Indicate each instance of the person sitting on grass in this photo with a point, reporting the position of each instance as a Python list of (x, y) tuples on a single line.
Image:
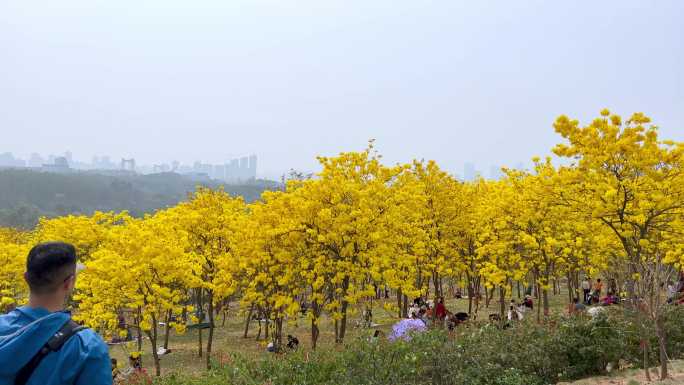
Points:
[(576, 306), (135, 373), (292, 342), (513, 314), (528, 303), (115, 369), (610, 299), (457, 319)]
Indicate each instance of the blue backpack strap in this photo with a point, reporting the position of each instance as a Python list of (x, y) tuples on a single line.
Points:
[(54, 344)]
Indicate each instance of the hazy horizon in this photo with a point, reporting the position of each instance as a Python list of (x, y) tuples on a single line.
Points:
[(456, 82)]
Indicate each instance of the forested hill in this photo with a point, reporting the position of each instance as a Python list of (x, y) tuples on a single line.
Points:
[(27, 195)]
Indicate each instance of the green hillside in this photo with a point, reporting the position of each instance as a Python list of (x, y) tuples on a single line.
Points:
[(27, 195)]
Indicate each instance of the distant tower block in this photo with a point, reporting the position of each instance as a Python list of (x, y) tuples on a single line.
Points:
[(252, 166), (128, 164)]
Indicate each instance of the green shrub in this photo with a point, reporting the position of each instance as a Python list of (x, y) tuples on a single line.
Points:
[(527, 353)]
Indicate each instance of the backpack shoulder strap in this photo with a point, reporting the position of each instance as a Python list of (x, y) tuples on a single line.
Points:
[(52, 345)]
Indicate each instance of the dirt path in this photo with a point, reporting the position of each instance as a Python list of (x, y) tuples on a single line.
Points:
[(636, 377)]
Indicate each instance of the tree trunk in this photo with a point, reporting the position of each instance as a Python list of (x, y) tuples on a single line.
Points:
[(405, 308), (489, 294), (337, 331), (278, 334), (502, 302), (260, 327), (470, 295), (343, 322), (571, 289), (199, 329), (249, 319), (267, 319), (662, 344), (477, 303), (518, 284), (439, 291), (168, 330), (646, 372), (315, 331), (139, 338), (152, 334), (399, 307), (545, 300), (210, 338)]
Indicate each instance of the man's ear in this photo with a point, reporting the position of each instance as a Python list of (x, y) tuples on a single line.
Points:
[(70, 283)]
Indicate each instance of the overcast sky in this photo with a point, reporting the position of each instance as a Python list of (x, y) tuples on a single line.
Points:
[(454, 81)]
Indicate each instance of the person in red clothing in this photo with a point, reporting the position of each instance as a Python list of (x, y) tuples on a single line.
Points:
[(440, 311)]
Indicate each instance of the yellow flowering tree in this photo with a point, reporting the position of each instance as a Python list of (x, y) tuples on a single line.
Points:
[(137, 268), (13, 252), (268, 260), (341, 212), (85, 232), (632, 183), (209, 222)]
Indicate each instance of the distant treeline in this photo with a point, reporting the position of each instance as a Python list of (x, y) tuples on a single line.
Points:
[(27, 195)]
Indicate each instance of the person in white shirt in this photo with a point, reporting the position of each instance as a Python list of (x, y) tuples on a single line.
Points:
[(514, 314), (586, 288)]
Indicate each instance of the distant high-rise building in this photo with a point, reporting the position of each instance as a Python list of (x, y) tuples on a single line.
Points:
[(469, 172), (158, 168), (219, 172), (69, 157), (8, 160), (233, 171), (60, 165), (252, 166), (244, 168), (36, 160), (495, 173), (128, 164)]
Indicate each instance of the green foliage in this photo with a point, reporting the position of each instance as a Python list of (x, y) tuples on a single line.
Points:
[(27, 195), (526, 354)]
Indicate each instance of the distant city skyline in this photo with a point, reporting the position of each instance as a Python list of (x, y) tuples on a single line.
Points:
[(221, 171), (233, 170)]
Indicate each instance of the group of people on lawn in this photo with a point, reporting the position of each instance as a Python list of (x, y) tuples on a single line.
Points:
[(592, 293), (436, 314)]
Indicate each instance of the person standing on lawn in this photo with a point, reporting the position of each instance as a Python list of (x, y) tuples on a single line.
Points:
[(586, 289)]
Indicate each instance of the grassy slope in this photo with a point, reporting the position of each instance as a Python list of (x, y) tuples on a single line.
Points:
[(229, 338)]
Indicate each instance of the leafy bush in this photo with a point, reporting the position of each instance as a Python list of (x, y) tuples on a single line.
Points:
[(525, 354)]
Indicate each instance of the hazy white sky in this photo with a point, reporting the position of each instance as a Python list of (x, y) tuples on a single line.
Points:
[(454, 81)]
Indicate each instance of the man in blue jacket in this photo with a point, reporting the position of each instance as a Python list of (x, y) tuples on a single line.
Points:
[(82, 359)]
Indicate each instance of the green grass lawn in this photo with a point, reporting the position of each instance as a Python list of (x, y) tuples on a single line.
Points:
[(229, 338)]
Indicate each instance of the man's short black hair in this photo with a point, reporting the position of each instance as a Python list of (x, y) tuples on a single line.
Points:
[(48, 265)]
